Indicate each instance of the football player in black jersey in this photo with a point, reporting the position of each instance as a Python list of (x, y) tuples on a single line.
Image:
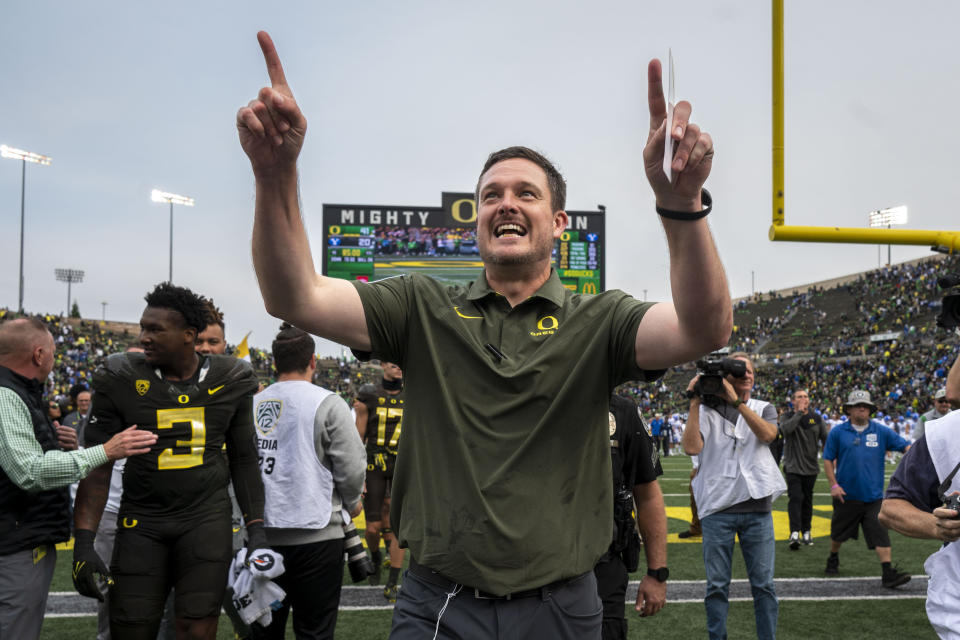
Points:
[(174, 519), (379, 420)]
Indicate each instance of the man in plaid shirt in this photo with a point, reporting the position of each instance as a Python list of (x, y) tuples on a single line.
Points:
[(35, 473)]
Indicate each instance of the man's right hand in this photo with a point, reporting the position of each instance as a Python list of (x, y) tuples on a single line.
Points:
[(86, 565), (357, 509), (947, 524), (129, 442), (272, 127)]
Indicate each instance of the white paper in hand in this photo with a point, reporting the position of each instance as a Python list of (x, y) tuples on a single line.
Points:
[(668, 141)]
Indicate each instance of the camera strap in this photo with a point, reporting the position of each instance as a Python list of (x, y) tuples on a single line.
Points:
[(945, 485)]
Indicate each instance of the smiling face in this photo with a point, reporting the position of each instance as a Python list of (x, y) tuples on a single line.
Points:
[(211, 340), (165, 336), (516, 224)]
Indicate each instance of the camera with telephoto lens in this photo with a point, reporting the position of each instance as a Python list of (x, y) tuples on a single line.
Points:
[(949, 317), (358, 560)]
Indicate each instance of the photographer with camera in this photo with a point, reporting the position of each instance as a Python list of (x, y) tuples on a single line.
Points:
[(312, 463), (636, 466), (736, 485), (923, 501)]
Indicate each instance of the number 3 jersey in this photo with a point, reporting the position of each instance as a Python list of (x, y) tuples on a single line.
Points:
[(186, 468)]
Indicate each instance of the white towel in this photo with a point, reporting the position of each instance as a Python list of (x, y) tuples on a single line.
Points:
[(255, 595)]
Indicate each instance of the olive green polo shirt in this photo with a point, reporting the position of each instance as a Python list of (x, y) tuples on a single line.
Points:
[(502, 480)]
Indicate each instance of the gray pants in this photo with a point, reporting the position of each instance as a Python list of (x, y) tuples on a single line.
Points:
[(103, 545), (570, 612), (24, 585)]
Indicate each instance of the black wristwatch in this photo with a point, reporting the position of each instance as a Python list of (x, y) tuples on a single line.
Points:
[(660, 575)]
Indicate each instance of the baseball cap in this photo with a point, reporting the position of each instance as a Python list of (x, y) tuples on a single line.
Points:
[(859, 396)]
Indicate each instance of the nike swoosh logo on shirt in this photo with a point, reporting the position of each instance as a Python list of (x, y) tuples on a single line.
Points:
[(214, 390)]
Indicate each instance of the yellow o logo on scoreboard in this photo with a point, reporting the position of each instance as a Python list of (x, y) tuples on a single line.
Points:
[(547, 323), (458, 204), (334, 230), (565, 236)]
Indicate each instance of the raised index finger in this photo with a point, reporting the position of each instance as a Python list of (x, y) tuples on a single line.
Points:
[(274, 68), (655, 99)]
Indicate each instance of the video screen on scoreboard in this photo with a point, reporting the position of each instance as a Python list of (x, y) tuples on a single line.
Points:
[(369, 242)]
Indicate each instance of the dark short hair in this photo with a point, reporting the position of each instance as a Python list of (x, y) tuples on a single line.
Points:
[(76, 389), (191, 306), (214, 315), (555, 181), (292, 349)]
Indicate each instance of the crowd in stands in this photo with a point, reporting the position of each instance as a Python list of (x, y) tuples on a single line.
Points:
[(874, 332), (424, 241)]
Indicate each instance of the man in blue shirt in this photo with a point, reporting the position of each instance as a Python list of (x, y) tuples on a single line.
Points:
[(659, 431), (853, 460)]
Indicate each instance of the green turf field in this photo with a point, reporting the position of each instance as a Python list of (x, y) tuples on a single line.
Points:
[(800, 619), (448, 269)]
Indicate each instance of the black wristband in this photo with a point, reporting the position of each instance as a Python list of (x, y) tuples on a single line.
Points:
[(688, 216), (83, 538), (660, 575)]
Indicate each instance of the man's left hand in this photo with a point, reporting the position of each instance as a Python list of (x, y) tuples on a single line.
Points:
[(651, 596), (692, 158), (66, 436), (730, 395)]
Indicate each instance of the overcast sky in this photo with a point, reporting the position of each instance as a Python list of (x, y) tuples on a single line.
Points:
[(405, 100)]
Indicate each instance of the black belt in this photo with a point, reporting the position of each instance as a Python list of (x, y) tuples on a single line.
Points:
[(433, 577)]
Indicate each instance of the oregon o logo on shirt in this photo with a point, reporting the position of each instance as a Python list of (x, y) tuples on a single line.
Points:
[(547, 323), (183, 399), (546, 326)]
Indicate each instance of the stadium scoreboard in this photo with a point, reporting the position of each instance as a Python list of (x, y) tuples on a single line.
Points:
[(371, 242)]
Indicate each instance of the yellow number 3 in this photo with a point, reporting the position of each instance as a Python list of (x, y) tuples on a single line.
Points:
[(166, 419)]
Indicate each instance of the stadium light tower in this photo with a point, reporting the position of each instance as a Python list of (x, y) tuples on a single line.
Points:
[(69, 276), (24, 157), (887, 218), (161, 196)]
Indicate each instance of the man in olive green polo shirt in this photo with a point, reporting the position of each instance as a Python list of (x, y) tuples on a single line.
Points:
[(505, 442)]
